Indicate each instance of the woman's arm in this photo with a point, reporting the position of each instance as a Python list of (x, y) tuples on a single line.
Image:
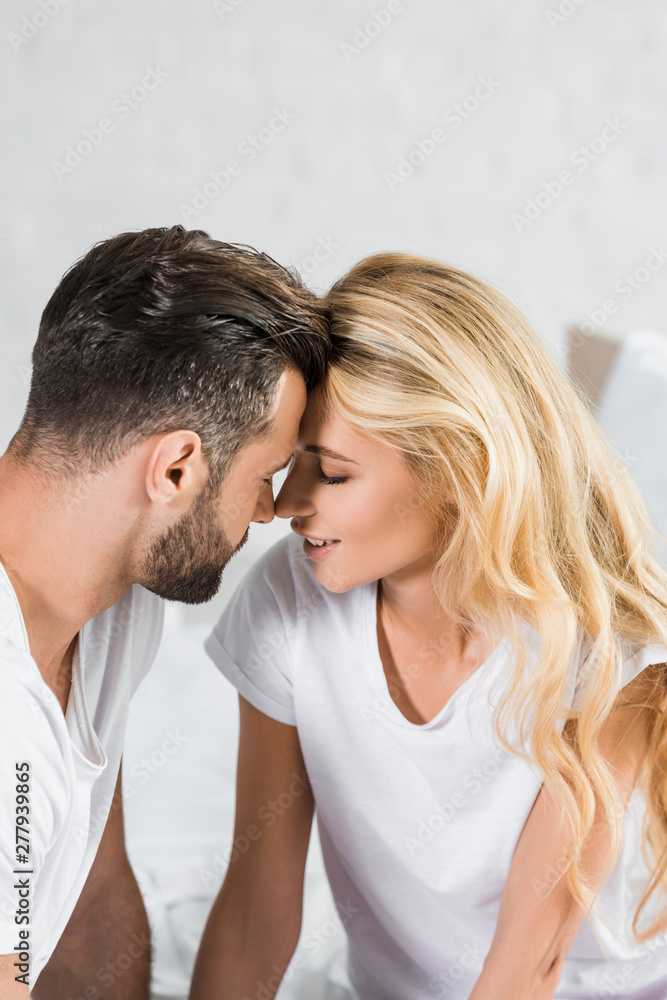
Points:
[(535, 931), (255, 922)]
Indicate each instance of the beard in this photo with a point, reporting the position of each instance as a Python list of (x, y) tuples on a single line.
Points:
[(186, 563)]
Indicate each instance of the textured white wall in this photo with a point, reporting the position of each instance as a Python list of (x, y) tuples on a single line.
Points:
[(220, 69)]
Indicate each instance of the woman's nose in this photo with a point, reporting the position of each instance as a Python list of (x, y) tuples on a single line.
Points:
[(292, 498), (284, 501)]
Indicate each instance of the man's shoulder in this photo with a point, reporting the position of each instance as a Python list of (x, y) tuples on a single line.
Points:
[(28, 706), (36, 762), (19, 671), (12, 629)]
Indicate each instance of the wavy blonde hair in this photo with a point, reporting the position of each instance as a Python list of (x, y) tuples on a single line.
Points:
[(548, 527)]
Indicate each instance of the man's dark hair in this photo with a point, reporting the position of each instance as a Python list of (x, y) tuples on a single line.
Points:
[(160, 330)]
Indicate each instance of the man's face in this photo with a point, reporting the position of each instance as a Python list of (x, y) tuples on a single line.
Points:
[(186, 563)]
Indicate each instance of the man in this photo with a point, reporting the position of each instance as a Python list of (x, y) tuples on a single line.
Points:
[(169, 378)]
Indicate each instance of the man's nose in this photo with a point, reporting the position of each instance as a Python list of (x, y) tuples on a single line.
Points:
[(265, 509), (282, 503)]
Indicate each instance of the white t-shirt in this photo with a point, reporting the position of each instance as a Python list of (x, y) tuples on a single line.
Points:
[(73, 760), (418, 823)]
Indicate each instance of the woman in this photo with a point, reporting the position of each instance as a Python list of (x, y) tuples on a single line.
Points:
[(483, 616)]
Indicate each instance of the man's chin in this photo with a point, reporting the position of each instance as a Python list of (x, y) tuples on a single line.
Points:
[(189, 590), (186, 564), (243, 541)]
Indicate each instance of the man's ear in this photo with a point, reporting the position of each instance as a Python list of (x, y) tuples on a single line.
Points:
[(176, 468)]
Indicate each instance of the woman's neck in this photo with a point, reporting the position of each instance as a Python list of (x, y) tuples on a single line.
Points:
[(412, 608)]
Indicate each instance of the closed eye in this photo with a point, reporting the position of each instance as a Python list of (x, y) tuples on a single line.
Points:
[(331, 480)]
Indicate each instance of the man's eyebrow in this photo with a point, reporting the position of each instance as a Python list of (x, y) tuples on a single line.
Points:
[(318, 449)]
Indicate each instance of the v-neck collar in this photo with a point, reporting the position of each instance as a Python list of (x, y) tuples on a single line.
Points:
[(83, 738), (379, 679)]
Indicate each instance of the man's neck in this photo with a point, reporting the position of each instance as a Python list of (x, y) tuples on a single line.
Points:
[(62, 566)]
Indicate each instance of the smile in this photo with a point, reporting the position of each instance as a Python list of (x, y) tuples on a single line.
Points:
[(319, 550)]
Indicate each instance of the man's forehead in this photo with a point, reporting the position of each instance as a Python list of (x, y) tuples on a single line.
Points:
[(313, 413)]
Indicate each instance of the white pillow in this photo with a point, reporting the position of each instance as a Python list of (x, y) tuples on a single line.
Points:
[(633, 415)]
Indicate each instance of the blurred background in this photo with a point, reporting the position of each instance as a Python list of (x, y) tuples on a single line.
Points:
[(524, 141)]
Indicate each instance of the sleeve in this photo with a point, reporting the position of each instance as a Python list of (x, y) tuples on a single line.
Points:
[(637, 658), (250, 644), (634, 660), (30, 821)]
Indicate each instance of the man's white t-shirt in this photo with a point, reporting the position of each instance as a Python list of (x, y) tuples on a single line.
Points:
[(418, 823), (73, 761)]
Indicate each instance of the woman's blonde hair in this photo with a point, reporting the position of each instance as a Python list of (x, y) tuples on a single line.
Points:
[(547, 526)]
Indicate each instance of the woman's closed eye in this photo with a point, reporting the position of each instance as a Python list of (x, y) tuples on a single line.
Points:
[(328, 480), (331, 480)]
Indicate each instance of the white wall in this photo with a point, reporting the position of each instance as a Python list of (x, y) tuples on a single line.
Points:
[(227, 65)]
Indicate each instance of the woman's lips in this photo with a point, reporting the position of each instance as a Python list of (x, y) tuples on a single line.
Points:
[(318, 552)]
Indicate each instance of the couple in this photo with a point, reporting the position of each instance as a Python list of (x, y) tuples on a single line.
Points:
[(460, 650)]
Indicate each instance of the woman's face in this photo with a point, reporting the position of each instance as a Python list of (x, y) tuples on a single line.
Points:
[(366, 501)]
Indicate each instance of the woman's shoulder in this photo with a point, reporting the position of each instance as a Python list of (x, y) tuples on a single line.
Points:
[(631, 659), (284, 565), (280, 568), (283, 577), (284, 558)]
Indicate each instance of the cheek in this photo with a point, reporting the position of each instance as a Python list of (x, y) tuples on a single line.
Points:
[(399, 519), (369, 512), (238, 506)]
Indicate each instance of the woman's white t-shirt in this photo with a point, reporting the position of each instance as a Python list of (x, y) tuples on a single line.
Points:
[(418, 823), (74, 759)]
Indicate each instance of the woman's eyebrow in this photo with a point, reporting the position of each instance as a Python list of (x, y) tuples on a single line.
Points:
[(318, 449)]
